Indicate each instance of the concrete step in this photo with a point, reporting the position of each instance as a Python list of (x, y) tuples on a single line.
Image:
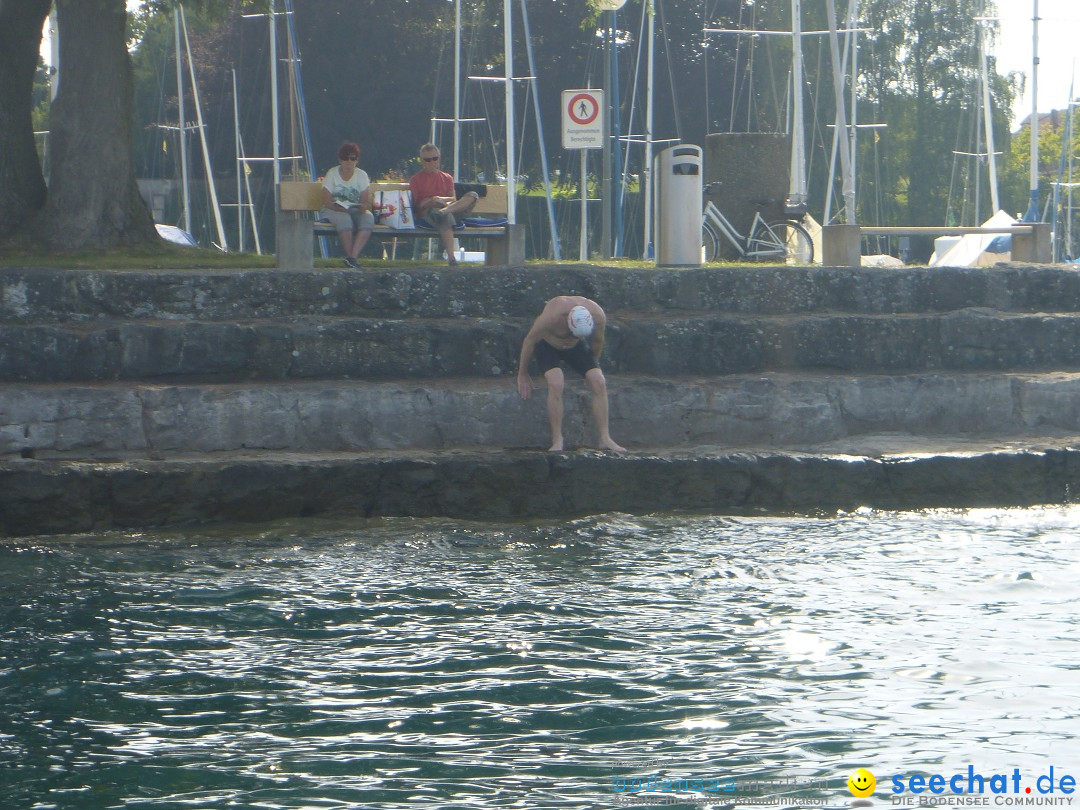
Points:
[(39, 295), (319, 347), (40, 497), (795, 412)]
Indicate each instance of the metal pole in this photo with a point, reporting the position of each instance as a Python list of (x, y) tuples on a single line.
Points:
[(457, 92), (583, 242), (184, 190), (555, 250), (853, 132), (797, 180), (646, 242), (841, 116), (988, 118), (511, 166), (274, 95), (1069, 195), (1032, 214), (239, 167), (222, 241), (616, 139), (605, 158)]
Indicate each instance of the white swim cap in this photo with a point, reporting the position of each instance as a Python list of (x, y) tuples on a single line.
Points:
[(580, 322)]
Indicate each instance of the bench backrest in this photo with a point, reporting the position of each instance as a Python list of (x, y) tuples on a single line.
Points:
[(306, 195)]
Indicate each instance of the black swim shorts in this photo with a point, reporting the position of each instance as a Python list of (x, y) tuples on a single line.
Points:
[(579, 357)]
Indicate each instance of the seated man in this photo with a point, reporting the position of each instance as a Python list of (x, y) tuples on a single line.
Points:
[(433, 198)]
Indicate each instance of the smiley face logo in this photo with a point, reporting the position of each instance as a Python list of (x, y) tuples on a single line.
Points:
[(861, 783)]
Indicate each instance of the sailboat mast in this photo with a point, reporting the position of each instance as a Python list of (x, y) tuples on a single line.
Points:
[(647, 163), (457, 89), (841, 117), (274, 94), (222, 241), (182, 128), (797, 180), (852, 40), (511, 166), (239, 167), (988, 122), (1033, 207), (556, 251)]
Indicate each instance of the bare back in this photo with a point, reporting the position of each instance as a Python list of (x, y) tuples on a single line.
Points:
[(551, 325)]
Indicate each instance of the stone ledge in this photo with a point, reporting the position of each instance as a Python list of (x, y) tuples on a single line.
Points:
[(54, 497), (321, 348), (50, 295), (776, 410)]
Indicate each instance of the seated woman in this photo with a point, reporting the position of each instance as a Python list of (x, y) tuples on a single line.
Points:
[(347, 202)]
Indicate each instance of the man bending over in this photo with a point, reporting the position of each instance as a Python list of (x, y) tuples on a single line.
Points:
[(559, 335)]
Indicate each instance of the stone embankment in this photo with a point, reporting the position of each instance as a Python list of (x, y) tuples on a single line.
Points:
[(132, 399)]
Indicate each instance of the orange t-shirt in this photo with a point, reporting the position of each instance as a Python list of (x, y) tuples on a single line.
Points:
[(429, 184)]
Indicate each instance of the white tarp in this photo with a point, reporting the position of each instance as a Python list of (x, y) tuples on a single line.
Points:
[(975, 249), (171, 233)]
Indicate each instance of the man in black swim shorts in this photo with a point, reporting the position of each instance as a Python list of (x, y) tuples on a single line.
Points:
[(558, 335)]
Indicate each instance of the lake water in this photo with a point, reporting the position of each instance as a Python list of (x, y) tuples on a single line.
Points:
[(445, 664)]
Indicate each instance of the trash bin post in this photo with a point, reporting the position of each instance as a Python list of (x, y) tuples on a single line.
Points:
[(679, 190)]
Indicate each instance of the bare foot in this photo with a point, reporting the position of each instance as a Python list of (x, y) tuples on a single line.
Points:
[(556, 447), (610, 445)]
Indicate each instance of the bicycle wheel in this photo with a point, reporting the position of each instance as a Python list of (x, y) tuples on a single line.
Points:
[(784, 242), (710, 243)]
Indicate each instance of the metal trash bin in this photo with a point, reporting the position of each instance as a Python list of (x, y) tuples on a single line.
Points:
[(679, 178)]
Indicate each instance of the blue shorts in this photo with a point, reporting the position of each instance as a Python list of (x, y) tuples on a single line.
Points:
[(579, 357)]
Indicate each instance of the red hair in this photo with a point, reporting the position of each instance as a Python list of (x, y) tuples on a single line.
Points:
[(348, 148)]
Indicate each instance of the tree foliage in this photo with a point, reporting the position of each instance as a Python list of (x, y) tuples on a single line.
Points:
[(379, 73), (917, 76)]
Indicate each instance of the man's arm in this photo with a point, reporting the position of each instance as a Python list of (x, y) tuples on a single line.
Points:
[(528, 346), (596, 342)]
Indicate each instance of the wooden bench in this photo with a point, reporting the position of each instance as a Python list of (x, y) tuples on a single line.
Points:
[(842, 244), (299, 201)]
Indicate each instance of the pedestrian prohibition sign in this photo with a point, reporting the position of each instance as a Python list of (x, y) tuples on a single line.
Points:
[(583, 119)]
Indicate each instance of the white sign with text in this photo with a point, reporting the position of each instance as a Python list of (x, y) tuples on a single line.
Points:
[(582, 119)]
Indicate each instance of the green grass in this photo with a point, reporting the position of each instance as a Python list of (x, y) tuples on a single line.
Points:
[(164, 256), (168, 256)]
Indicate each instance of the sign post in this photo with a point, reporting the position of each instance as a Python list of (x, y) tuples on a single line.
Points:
[(583, 128)]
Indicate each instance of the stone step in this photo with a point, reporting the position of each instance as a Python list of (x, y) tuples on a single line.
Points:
[(39, 295), (41, 497), (795, 412), (641, 343)]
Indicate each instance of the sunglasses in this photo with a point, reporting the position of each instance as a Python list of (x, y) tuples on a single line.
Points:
[(430, 159)]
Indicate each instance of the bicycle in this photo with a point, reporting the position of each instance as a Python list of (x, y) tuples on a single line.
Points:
[(784, 241)]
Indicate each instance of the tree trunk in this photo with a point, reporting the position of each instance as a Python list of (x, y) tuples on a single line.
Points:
[(93, 199), (22, 188)]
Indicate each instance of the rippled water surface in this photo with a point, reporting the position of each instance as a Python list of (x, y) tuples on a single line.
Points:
[(403, 663)]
